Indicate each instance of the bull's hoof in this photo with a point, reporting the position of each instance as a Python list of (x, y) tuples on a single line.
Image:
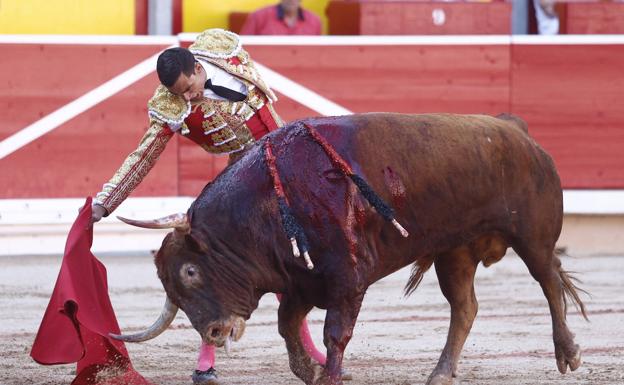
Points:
[(571, 359), (328, 381), (346, 375), (322, 378), (205, 377), (440, 379)]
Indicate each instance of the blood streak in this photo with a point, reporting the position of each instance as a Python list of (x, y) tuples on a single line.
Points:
[(395, 187)]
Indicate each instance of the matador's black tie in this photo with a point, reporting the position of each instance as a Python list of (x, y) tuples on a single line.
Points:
[(225, 92)]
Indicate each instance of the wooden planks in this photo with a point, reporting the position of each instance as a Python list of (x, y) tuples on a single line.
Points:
[(426, 78), (379, 17), (594, 17), (569, 93), (571, 96)]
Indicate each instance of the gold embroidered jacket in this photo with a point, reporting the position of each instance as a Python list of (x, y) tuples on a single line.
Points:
[(218, 126)]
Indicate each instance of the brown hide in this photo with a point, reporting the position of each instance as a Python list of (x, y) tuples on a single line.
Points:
[(465, 186)]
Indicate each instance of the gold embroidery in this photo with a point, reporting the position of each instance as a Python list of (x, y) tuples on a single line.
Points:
[(243, 134), (245, 112), (233, 146), (243, 56), (208, 148), (222, 136), (207, 110), (214, 123), (168, 108), (216, 43), (135, 167), (256, 99), (216, 46)]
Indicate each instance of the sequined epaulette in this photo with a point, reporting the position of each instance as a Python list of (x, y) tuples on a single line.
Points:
[(168, 108), (217, 44), (223, 49)]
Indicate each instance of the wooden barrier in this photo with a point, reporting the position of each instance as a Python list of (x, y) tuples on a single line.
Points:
[(569, 96), (399, 78), (593, 17), (379, 17), (568, 90), (79, 156)]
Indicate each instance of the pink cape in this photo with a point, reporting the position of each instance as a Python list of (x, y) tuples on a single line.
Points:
[(79, 317)]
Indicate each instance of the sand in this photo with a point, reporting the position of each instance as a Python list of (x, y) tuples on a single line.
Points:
[(396, 341)]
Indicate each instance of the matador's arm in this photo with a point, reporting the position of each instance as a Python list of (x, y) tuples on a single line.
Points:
[(134, 168)]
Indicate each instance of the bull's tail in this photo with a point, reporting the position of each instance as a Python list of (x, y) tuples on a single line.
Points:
[(570, 288), (570, 292), (419, 269)]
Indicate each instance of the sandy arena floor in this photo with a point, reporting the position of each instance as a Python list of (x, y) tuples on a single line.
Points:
[(397, 340)]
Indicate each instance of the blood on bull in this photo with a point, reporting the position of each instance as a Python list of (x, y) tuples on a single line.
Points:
[(471, 186)]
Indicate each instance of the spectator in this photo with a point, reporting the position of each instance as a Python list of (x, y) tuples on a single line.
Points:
[(547, 18), (285, 18)]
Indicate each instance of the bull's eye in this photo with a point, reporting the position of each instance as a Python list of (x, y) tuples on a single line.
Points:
[(190, 276)]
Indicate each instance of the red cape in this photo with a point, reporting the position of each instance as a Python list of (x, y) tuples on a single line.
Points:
[(79, 317)]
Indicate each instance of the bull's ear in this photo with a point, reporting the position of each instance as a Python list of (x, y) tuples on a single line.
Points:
[(195, 244)]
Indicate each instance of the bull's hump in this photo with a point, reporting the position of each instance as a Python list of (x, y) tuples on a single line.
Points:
[(519, 122)]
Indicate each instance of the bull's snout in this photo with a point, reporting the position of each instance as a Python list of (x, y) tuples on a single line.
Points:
[(221, 333), (215, 335)]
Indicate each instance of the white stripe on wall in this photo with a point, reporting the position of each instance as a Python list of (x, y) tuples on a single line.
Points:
[(89, 39), (300, 94), (322, 40), (364, 40), (76, 107)]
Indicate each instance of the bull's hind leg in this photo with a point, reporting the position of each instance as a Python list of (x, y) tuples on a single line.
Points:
[(455, 270), (290, 316), (545, 267)]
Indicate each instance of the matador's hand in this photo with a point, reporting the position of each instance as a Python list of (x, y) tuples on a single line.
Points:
[(97, 212)]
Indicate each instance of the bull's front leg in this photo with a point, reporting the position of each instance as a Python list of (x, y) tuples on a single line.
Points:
[(339, 323), (290, 315)]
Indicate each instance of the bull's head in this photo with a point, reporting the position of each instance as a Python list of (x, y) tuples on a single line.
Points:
[(183, 267)]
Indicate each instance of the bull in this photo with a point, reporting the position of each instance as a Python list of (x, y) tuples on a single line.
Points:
[(466, 187)]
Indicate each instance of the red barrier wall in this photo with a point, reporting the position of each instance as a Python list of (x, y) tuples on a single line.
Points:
[(434, 18), (571, 96), (463, 79), (568, 93), (383, 17), (79, 156), (594, 17)]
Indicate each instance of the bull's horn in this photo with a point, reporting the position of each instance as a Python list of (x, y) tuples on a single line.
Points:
[(178, 221), (162, 323)]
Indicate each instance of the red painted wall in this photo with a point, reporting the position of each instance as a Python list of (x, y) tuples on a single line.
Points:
[(594, 17), (569, 94), (434, 18), (460, 79), (75, 159)]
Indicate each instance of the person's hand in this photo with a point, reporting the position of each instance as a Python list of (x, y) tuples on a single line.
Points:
[(97, 212), (549, 7)]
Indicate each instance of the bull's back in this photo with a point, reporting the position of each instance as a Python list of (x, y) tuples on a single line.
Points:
[(450, 176), (455, 152)]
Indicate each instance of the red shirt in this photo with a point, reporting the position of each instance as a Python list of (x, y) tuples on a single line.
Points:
[(270, 21)]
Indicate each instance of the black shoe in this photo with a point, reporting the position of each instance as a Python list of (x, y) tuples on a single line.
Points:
[(205, 377)]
